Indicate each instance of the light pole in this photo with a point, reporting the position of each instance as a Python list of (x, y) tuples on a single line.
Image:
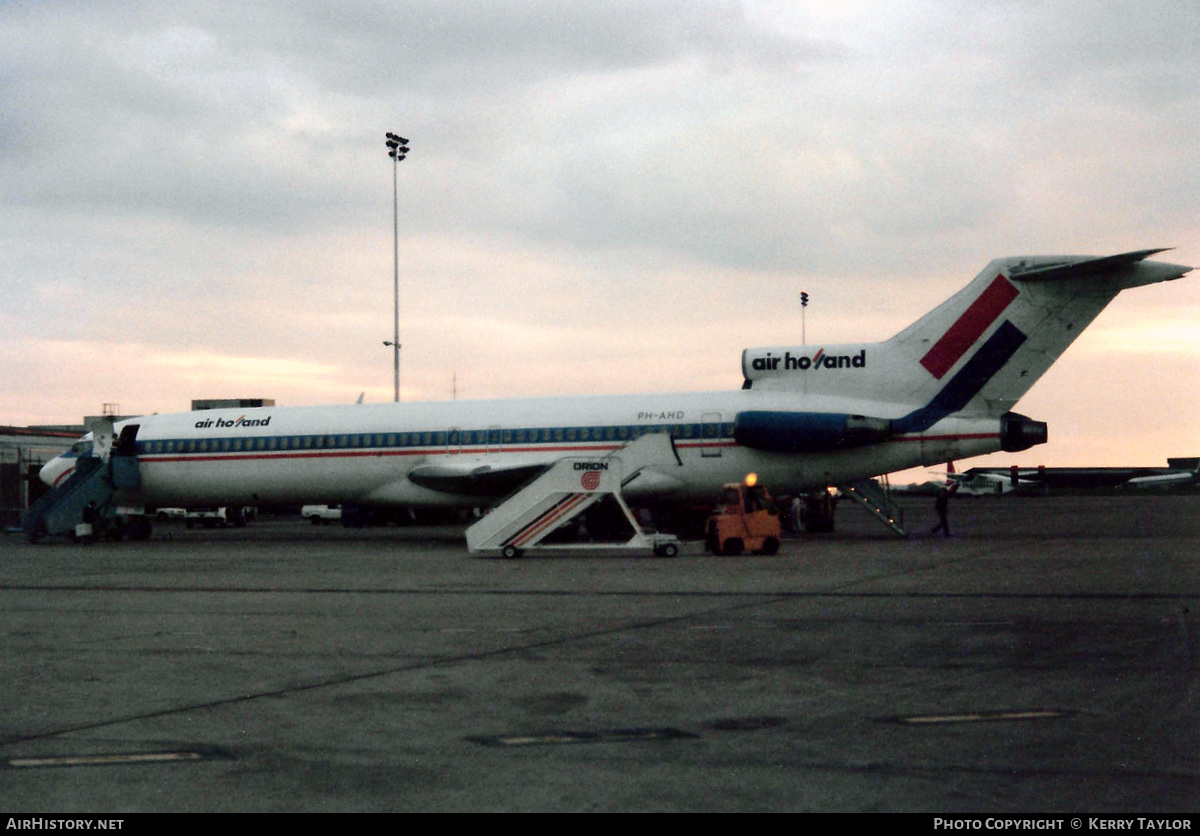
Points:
[(397, 150)]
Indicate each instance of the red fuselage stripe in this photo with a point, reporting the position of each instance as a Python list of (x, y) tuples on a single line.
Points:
[(267, 455), (156, 458)]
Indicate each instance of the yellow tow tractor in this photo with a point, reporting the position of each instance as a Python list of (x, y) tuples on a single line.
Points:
[(747, 520)]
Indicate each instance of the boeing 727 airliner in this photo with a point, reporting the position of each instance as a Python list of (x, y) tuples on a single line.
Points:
[(942, 389)]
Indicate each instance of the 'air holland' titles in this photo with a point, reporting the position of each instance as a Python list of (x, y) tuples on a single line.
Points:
[(225, 423), (820, 360)]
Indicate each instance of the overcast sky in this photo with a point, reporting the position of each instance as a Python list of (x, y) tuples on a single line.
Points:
[(601, 197)]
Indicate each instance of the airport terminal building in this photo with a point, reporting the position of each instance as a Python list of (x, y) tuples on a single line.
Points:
[(23, 451)]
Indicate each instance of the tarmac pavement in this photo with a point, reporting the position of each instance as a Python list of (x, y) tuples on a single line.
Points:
[(1044, 660)]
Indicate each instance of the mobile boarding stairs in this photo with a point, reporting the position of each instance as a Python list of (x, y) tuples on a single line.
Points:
[(94, 479), (877, 501), (571, 486)]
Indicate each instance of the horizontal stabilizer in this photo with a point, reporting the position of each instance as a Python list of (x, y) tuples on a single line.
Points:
[(1086, 267)]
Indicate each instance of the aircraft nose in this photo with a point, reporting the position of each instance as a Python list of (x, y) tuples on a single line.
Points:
[(55, 470)]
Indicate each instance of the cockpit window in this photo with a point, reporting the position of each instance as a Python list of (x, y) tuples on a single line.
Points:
[(82, 448)]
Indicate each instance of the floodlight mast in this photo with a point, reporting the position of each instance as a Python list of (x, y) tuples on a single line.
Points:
[(397, 150)]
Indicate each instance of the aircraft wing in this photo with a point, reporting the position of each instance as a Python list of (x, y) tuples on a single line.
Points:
[(983, 476), (1164, 480), (471, 478), (474, 479)]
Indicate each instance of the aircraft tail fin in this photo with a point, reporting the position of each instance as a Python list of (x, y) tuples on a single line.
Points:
[(988, 344), (953, 479), (979, 351)]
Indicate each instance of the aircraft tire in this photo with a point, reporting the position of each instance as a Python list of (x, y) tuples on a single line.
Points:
[(140, 529)]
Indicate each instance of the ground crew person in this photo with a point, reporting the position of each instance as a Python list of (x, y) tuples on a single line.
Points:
[(85, 531), (942, 504)]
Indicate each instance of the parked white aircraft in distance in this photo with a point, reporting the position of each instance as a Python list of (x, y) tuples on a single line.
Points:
[(806, 417), (972, 482), (1170, 481), (978, 482)]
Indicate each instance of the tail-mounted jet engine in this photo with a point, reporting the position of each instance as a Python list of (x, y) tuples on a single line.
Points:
[(808, 432), (1019, 433), (819, 432)]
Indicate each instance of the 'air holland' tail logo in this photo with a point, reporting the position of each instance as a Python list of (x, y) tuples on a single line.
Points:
[(820, 360)]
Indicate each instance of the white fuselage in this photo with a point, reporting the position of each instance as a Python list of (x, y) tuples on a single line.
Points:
[(364, 453)]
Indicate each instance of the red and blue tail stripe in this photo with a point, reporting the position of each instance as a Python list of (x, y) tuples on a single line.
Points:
[(987, 361), (969, 327)]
